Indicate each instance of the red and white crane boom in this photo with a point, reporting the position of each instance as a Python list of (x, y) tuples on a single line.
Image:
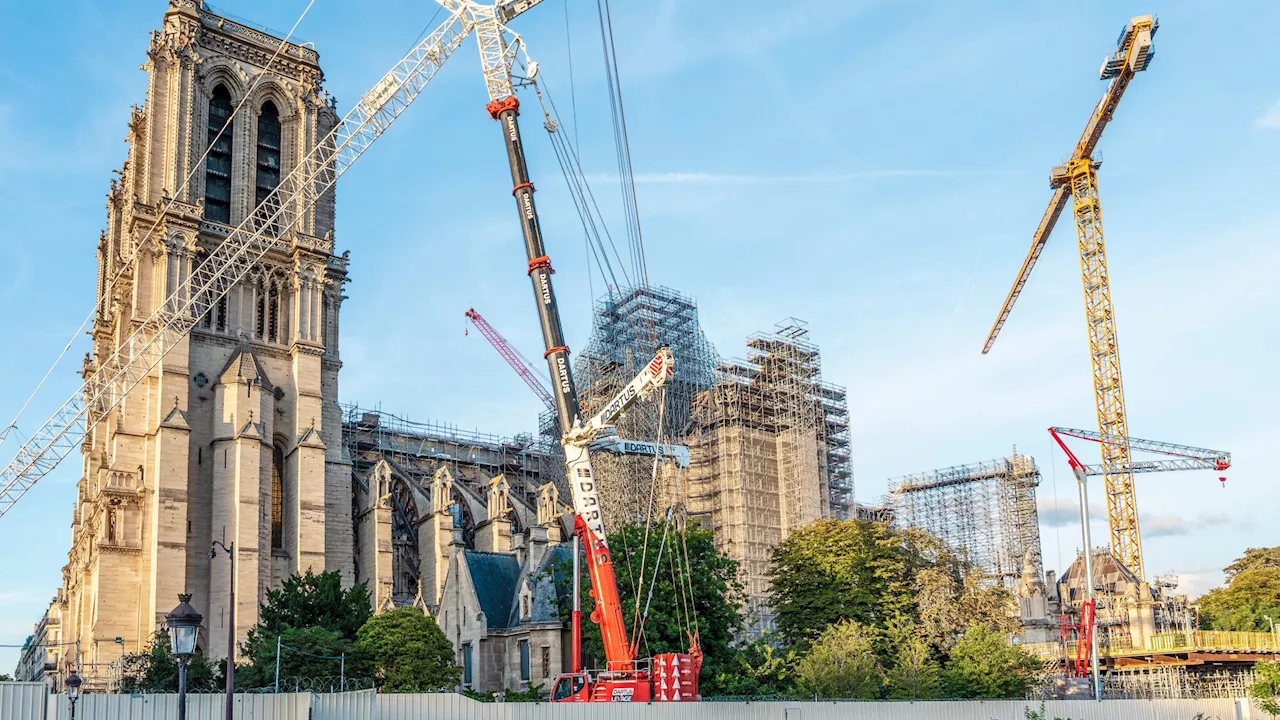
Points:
[(514, 358)]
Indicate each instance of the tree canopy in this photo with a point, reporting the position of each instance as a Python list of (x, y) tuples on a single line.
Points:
[(842, 663), (155, 671), (1252, 593), (409, 652), (983, 664), (838, 585), (316, 621), (714, 607)]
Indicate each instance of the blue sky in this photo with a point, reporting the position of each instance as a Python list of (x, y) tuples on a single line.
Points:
[(874, 168)]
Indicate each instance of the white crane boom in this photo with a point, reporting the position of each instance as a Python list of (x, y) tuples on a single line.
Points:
[(1182, 457), (107, 384)]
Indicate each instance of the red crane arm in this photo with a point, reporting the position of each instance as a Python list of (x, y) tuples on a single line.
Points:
[(513, 358)]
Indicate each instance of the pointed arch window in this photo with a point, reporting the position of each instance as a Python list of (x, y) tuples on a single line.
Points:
[(273, 312), (267, 176), (217, 172), (260, 311), (277, 497)]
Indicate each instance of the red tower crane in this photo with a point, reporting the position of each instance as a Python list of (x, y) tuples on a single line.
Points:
[(514, 358)]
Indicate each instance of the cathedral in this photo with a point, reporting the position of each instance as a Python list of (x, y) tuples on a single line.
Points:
[(236, 445)]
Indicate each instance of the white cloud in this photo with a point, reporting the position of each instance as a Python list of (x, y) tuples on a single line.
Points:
[(1270, 120), (1158, 525), (1063, 512), (714, 178)]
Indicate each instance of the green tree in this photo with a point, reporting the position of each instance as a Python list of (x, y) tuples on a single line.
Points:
[(409, 652), (758, 670), (841, 663), (310, 658), (913, 674), (312, 615), (5, 677), (1251, 595), (156, 671), (712, 605), (1266, 688), (830, 571), (983, 664)]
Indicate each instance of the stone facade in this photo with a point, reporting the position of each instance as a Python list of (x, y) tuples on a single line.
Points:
[(236, 436)]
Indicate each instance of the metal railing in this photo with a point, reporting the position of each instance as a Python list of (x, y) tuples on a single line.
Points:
[(1199, 641)]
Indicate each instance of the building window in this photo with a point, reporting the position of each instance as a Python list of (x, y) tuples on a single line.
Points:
[(273, 313), (277, 498), (217, 173), (524, 661), (260, 312), (267, 176), (546, 662), (220, 315), (466, 664)]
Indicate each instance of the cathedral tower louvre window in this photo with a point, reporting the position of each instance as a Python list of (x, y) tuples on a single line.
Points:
[(273, 313), (217, 175), (277, 497), (267, 176)]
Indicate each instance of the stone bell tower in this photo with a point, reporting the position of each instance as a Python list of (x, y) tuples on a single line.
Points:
[(236, 436)]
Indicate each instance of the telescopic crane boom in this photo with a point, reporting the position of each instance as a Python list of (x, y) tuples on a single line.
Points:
[(1078, 179), (624, 679)]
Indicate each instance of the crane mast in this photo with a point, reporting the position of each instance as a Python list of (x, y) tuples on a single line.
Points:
[(498, 48), (1078, 179)]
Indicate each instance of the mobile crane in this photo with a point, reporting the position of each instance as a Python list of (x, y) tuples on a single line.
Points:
[(667, 677)]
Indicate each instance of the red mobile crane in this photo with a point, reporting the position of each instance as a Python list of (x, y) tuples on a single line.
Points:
[(625, 678)]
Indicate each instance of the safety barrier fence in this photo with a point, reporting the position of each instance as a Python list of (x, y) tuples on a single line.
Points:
[(29, 701)]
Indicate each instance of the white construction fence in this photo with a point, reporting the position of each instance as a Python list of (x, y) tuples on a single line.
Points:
[(29, 701)]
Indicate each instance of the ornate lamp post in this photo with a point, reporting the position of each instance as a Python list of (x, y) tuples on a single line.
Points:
[(73, 691), (184, 625)]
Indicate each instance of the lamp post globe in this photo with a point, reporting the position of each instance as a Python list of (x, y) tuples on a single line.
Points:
[(184, 625), (73, 691)]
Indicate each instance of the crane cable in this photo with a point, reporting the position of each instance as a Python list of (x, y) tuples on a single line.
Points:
[(637, 625), (109, 286)]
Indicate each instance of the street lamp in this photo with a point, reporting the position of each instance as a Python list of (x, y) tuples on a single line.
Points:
[(73, 691), (184, 624), (231, 622)]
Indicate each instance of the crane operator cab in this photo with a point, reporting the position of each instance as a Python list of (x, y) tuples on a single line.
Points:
[(570, 688)]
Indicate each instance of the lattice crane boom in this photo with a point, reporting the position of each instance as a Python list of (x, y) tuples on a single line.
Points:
[(1182, 457), (110, 381), (1078, 179), (513, 357), (1120, 74)]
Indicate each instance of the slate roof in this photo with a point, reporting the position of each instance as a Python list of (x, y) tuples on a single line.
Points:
[(495, 577), (244, 366)]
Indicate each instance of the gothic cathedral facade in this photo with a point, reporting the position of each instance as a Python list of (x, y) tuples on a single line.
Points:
[(235, 438)]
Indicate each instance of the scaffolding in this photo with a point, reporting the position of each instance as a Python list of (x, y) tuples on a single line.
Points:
[(770, 446), (986, 512), (628, 327)]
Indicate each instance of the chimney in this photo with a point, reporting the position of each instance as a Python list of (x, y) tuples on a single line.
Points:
[(537, 545)]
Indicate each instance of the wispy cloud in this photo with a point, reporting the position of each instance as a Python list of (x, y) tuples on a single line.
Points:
[(1154, 526), (1270, 120), (1062, 512), (714, 178)]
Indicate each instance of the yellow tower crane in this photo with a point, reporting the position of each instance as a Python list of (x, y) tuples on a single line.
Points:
[(1078, 179)]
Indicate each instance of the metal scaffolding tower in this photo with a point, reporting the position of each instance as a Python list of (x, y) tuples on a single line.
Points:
[(628, 326), (986, 512), (770, 454)]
